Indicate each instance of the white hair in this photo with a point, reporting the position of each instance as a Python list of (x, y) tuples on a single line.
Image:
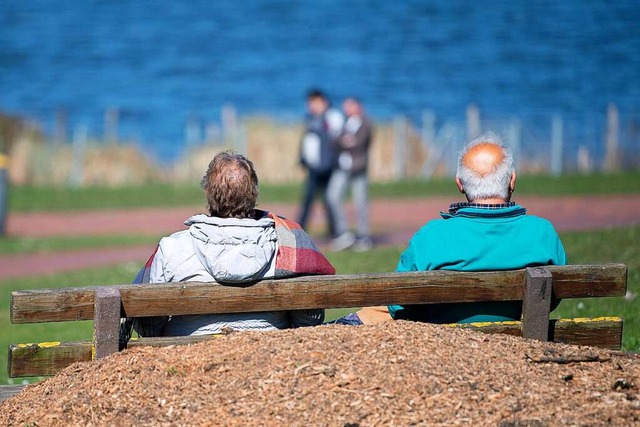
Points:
[(491, 185)]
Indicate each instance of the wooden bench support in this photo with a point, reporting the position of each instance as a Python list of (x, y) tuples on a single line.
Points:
[(536, 303), (106, 324)]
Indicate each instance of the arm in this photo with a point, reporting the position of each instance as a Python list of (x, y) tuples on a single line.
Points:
[(362, 138)]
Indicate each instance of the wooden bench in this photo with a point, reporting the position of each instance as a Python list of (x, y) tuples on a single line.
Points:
[(107, 305)]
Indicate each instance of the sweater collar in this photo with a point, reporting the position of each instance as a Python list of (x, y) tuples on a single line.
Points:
[(480, 210)]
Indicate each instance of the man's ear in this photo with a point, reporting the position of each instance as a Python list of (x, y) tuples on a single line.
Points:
[(512, 182), (459, 184)]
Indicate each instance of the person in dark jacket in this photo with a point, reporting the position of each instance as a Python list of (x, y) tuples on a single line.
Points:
[(323, 126)]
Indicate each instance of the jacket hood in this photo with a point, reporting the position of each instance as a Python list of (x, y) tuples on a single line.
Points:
[(234, 250)]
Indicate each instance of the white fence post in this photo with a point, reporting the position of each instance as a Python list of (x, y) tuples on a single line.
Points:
[(515, 141), (111, 119), (557, 142), (400, 146), (79, 143), (612, 157), (192, 131), (428, 140), (229, 124), (60, 127), (473, 122), (4, 191)]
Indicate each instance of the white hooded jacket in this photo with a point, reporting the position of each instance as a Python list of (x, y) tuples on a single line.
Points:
[(225, 250)]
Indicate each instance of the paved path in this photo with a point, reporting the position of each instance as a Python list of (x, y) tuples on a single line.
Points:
[(393, 223)]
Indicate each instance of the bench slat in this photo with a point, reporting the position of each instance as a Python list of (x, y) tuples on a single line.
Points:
[(47, 359), (51, 305), (40, 359), (589, 281), (605, 332)]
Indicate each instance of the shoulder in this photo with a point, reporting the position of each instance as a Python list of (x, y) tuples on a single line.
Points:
[(178, 242), (430, 229), (539, 223)]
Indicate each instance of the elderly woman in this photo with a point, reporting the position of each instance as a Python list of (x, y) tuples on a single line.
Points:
[(234, 243)]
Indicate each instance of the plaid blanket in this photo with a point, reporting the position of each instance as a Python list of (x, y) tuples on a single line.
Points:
[(297, 255)]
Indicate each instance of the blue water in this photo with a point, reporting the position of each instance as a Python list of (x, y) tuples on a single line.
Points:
[(161, 62)]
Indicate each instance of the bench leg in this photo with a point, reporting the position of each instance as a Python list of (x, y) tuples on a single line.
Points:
[(106, 322), (536, 303)]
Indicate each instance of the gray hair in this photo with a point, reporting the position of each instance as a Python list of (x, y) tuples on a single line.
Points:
[(488, 186)]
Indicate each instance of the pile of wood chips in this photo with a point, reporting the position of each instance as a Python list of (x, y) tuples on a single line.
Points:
[(398, 373)]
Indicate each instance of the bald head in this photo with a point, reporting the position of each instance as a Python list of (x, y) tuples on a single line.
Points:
[(483, 158), (485, 170)]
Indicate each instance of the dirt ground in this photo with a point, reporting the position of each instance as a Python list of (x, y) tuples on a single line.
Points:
[(393, 374), (393, 223)]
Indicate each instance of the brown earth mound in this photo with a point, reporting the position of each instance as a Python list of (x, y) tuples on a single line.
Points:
[(398, 373)]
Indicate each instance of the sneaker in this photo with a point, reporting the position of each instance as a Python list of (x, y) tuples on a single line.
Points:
[(363, 244), (343, 241)]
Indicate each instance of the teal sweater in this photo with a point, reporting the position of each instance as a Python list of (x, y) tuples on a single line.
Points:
[(477, 239)]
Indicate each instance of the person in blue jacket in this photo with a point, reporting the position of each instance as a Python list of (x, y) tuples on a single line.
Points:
[(487, 232), (323, 126)]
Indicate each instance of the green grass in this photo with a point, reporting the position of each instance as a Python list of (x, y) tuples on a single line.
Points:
[(597, 247), (25, 199), (19, 245), (594, 247)]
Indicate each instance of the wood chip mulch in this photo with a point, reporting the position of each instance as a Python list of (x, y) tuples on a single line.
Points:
[(392, 374)]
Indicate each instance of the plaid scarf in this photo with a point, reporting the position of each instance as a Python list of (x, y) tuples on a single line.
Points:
[(297, 255)]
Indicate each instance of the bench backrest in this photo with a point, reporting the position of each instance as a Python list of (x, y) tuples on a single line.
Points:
[(106, 305)]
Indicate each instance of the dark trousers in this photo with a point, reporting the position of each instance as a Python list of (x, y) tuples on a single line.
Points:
[(317, 182)]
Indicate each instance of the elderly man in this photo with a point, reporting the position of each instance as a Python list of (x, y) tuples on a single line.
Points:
[(234, 243), (487, 232)]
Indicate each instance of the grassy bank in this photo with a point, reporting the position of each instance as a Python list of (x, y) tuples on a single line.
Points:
[(615, 245), (18, 245), (25, 199)]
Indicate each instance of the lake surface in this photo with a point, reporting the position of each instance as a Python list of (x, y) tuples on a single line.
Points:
[(160, 63)]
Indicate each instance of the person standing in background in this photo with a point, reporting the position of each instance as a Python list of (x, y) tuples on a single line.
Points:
[(353, 159), (323, 126)]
